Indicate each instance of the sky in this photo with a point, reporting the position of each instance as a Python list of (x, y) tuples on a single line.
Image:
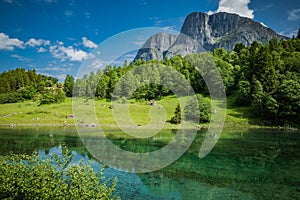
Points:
[(56, 36)]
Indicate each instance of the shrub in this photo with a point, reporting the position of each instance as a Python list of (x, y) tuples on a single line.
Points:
[(31, 177)]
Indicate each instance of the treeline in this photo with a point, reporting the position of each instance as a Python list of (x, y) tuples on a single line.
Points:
[(19, 85), (263, 77), (269, 80)]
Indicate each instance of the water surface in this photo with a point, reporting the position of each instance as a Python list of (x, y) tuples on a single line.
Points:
[(244, 164)]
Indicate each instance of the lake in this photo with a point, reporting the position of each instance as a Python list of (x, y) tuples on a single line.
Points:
[(244, 164)]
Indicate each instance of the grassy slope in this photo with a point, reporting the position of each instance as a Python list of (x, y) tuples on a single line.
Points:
[(29, 114)]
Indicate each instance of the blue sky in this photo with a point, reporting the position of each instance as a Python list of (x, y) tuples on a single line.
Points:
[(55, 36)]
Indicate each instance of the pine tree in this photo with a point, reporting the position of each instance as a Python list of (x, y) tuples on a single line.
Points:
[(69, 85)]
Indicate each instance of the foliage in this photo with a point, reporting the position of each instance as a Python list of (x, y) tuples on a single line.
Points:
[(51, 95), (190, 113), (11, 97), (202, 114), (176, 119), (13, 80), (244, 93), (31, 177), (69, 85), (264, 77), (18, 85)]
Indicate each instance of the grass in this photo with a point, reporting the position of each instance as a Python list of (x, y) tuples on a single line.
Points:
[(28, 113)]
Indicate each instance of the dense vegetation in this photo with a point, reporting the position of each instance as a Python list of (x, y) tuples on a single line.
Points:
[(265, 78), (19, 85), (31, 177)]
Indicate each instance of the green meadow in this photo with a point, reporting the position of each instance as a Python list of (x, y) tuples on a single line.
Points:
[(29, 113)]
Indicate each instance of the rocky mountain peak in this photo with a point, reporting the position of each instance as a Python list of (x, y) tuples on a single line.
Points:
[(156, 46), (203, 32)]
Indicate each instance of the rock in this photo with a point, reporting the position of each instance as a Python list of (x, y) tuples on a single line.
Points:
[(70, 116), (92, 125), (156, 46), (225, 30), (202, 32)]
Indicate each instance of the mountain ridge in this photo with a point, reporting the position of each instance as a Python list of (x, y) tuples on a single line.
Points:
[(202, 32)]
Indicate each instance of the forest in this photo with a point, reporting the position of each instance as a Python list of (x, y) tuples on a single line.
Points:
[(265, 78), (19, 85)]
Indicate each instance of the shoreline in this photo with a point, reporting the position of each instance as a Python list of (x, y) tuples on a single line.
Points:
[(168, 127)]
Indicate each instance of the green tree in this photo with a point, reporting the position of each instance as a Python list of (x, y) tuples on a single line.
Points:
[(69, 85), (265, 71), (59, 96), (27, 92), (176, 119), (244, 93), (289, 99), (258, 97), (31, 177), (102, 87), (47, 98), (202, 114)]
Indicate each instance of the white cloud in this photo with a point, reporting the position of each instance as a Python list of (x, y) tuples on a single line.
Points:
[(54, 69), (88, 43), (239, 7), (20, 58), (64, 53), (294, 14), (41, 50), (34, 42), (9, 44)]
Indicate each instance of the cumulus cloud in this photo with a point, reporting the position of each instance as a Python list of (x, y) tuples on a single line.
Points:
[(41, 50), (34, 42), (294, 14), (9, 44), (67, 53), (88, 43), (239, 7)]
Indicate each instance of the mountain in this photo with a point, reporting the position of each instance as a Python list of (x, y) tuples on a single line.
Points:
[(203, 32), (156, 46)]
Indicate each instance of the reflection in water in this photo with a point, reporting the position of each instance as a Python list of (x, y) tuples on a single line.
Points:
[(251, 164)]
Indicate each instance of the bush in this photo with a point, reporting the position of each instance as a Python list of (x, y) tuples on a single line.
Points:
[(203, 114), (31, 177), (190, 114), (27, 92), (11, 97), (52, 96)]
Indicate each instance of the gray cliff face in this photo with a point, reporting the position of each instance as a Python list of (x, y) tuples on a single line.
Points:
[(225, 30), (156, 46), (202, 32)]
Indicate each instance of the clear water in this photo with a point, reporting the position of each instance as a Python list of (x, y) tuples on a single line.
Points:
[(245, 164)]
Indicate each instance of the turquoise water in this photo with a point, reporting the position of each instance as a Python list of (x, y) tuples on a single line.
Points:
[(244, 164)]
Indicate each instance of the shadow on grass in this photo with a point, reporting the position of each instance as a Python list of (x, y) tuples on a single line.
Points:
[(241, 113)]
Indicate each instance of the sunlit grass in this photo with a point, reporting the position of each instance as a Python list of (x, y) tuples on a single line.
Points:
[(28, 113)]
